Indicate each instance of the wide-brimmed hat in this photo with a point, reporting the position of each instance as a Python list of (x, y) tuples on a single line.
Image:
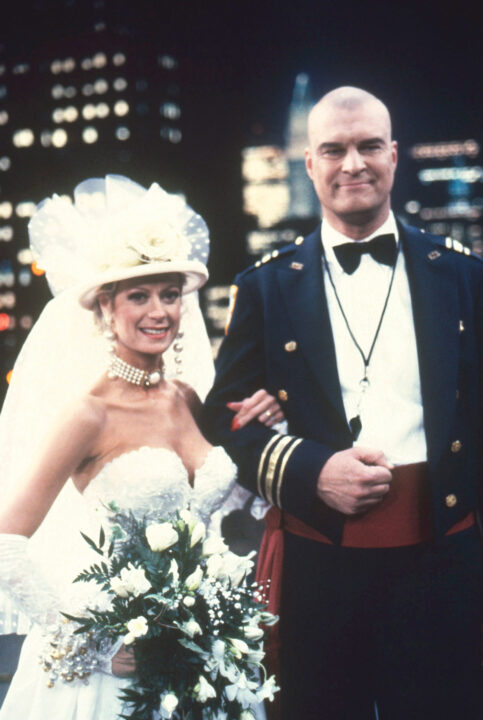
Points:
[(116, 230)]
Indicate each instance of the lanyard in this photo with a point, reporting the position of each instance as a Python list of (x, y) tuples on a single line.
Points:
[(355, 423)]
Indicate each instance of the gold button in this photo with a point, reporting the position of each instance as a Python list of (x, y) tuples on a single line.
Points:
[(461, 326), (451, 500), (290, 346), (297, 266), (299, 240), (456, 446), (283, 395)]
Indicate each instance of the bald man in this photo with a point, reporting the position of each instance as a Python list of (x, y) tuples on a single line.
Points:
[(370, 334)]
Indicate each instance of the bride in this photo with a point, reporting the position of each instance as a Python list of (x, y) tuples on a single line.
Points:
[(122, 427)]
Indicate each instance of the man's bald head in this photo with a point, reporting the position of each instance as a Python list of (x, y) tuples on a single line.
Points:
[(347, 98), (351, 159)]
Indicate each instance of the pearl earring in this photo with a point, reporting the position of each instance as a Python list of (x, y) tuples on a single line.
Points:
[(178, 348)]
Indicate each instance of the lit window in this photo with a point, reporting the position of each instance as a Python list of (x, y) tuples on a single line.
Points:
[(6, 233), (5, 163), (89, 111), (5, 210), (172, 134), (8, 300), (170, 110), (167, 62), (119, 84), (100, 26), (101, 86), (25, 256), (23, 138), (90, 135), (24, 278), (25, 209), (3, 117), (142, 108), (121, 108), (71, 113), (4, 321), (59, 138), (118, 59), (2, 69), (69, 64), (56, 67), (3, 91), (58, 115), (57, 92), (99, 60), (26, 322), (86, 64), (102, 110), (21, 68), (88, 89), (46, 138), (70, 91), (123, 133)]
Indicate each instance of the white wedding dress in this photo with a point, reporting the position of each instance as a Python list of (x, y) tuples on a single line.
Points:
[(147, 481)]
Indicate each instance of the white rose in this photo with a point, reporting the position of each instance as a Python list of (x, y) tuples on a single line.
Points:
[(199, 532), (214, 545), (168, 705), (203, 690), (188, 601), (239, 647), (252, 632), (137, 627), (192, 582), (161, 536), (131, 581), (236, 567), (214, 566), (187, 517), (119, 588), (191, 628)]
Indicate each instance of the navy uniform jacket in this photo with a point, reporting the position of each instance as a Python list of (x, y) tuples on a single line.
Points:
[(280, 338)]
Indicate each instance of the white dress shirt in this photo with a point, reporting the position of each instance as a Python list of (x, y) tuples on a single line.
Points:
[(390, 408)]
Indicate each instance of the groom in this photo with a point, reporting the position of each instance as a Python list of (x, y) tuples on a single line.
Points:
[(370, 335)]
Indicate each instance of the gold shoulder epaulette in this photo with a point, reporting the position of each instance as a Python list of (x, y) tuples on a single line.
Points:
[(457, 246)]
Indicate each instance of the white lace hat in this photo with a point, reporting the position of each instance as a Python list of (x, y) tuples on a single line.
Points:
[(116, 230)]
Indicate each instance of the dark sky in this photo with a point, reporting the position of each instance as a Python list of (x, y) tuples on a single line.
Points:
[(239, 60)]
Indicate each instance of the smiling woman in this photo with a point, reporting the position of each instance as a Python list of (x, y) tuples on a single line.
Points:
[(126, 261)]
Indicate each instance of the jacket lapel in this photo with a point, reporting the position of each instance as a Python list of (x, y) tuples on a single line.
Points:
[(303, 292), (434, 295)]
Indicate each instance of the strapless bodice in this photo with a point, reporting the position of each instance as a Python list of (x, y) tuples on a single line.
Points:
[(153, 482)]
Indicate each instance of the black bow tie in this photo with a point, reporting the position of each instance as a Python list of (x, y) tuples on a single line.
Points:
[(382, 248)]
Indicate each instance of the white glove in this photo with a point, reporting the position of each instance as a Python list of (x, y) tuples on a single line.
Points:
[(24, 585)]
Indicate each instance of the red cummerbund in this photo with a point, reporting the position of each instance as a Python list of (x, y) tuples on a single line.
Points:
[(403, 517)]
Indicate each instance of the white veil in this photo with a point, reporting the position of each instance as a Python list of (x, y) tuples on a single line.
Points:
[(63, 356)]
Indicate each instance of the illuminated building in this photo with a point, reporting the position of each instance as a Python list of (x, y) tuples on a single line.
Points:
[(278, 195), (97, 98), (449, 195)]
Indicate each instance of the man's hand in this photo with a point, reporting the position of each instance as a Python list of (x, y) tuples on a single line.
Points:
[(123, 663), (354, 480)]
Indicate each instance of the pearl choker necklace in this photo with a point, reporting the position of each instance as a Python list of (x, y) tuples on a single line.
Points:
[(129, 373)]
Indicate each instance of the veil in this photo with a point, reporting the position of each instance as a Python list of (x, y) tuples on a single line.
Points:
[(63, 356)]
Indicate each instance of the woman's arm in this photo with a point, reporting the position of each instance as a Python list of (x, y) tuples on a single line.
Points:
[(70, 442)]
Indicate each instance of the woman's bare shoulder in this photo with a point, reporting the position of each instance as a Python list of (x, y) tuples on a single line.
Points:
[(87, 414), (189, 395)]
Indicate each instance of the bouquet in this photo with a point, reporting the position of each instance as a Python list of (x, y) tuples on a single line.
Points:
[(182, 601)]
